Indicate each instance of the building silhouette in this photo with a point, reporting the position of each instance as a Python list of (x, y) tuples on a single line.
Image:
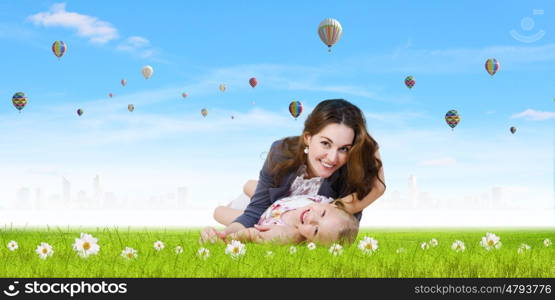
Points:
[(66, 191)]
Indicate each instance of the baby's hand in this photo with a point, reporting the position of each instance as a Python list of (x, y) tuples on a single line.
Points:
[(263, 228)]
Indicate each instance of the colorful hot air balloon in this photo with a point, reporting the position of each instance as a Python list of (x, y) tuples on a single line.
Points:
[(330, 32), (253, 82), (492, 66), (513, 130), (147, 71), (79, 112), (296, 108), (232, 117), (452, 118), (130, 107), (19, 100), (123, 82), (110, 95), (59, 48), (409, 82), (184, 95), (222, 87), (204, 112)]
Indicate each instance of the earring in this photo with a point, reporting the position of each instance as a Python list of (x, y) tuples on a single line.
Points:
[(306, 150)]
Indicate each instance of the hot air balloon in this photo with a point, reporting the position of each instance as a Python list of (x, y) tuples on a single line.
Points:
[(123, 82), (19, 100), (130, 107), (409, 82), (330, 32), (222, 87), (79, 112), (452, 118), (513, 130), (184, 95), (110, 95), (59, 48), (253, 82), (232, 117), (296, 108), (204, 112), (492, 66), (147, 71)]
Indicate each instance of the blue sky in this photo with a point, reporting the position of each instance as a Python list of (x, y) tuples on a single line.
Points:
[(193, 47)]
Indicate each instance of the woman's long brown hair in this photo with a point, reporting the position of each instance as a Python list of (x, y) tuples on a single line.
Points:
[(360, 172)]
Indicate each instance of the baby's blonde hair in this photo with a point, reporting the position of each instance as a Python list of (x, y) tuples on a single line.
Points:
[(348, 234)]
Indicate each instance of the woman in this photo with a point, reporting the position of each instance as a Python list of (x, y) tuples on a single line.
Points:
[(333, 157)]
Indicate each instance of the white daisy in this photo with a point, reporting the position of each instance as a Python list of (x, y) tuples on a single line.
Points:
[(547, 242), (434, 242), (86, 245), (178, 250), (159, 245), (129, 253), (490, 241), (44, 250), (400, 250), (203, 253), (311, 246), (269, 254), (12, 245), (336, 249), (292, 250), (425, 246), (523, 248), (235, 249), (368, 245), (458, 246)]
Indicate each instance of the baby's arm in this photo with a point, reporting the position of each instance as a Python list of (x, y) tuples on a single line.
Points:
[(278, 234)]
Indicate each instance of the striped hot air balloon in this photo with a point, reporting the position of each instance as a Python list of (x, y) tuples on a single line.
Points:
[(330, 32), (452, 118), (513, 129), (184, 95), (123, 82), (79, 112), (130, 107), (59, 48), (296, 108), (492, 66), (19, 100), (410, 82), (204, 112)]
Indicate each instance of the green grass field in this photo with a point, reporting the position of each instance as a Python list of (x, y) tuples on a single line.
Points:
[(440, 261)]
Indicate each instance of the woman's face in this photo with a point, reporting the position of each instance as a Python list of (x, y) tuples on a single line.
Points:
[(328, 150)]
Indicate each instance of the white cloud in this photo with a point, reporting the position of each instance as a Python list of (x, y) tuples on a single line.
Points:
[(409, 60), (137, 45), (98, 31), (441, 162), (534, 115)]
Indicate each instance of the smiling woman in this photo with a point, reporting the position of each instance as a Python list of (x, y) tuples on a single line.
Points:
[(334, 157)]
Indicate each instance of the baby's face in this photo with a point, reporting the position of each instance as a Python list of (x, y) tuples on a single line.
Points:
[(321, 222)]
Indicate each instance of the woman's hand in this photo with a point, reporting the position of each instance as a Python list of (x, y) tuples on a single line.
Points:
[(211, 235)]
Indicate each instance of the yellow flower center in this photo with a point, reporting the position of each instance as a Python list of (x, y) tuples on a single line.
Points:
[(44, 250), (369, 246), (490, 243), (130, 255), (236, 250), (86, 246)]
